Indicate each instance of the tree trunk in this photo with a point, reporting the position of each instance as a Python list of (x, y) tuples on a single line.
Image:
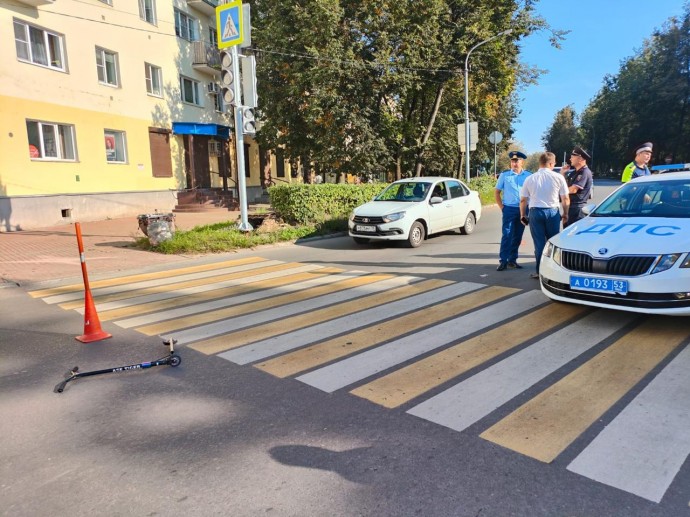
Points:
[(430, 126)]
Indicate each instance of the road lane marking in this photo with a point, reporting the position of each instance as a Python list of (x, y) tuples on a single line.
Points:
[(547, 424), (403, 385), (215, 295), (644, 448), (42, 293), (131, 294), (280, 306), (382, 331), (275, 341), (471, 400), (366, 364)]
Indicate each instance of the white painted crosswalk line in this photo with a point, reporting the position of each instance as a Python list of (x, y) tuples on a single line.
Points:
[(471, 400), (210, 286), (224, 326), (172, 279), (302, 337), (645, 446), (260, 294), (348, 371)]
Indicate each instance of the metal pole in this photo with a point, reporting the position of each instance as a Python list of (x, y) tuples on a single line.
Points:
[(239, 144), (494, 157), (467, 107)]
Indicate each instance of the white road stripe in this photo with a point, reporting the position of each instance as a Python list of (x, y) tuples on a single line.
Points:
[(146, 319), (471, 400), (172, 279), (366, 364), (645, 446), (232, 324), (319, 331)]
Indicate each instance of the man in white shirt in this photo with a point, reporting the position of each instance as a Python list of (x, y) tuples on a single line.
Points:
[(543, 190)]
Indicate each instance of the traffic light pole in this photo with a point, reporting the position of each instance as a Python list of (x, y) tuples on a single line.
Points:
[(239, 144)]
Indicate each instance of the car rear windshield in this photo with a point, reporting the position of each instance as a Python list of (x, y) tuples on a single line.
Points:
[(648, 199), (406, 191)]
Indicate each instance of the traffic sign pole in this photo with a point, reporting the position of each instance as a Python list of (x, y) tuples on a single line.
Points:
[(239, 146)]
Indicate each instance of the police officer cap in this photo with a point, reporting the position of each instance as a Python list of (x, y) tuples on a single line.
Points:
[(647, 146), (515, 155), (579, 151)]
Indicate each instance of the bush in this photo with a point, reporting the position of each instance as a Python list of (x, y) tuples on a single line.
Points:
[(300, 204)]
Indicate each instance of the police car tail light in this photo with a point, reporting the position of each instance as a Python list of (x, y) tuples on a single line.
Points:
[(665, 262)]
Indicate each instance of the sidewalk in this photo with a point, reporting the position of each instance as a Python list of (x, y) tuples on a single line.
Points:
[(53, 253)]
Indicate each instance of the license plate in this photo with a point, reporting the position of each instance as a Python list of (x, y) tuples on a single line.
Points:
[(365, 228), (601, 285)]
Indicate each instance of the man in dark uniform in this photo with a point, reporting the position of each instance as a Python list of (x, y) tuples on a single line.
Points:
[(579, 180)]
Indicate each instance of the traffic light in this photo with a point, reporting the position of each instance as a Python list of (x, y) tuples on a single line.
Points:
[(248, 121), (227, 78)]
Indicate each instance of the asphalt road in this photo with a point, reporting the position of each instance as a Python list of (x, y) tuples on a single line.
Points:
[(327, 378)]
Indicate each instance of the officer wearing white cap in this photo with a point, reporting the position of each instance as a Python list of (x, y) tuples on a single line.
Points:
[(507, 195), (579, 180), (638, 167)]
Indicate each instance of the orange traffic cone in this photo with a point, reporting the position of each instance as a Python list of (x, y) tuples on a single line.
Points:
[(92, 325)]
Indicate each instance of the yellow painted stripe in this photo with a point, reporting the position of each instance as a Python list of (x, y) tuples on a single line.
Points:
[(42, 293), (230, 312), (407, 383), (241, 337), (550, 422), (341, 346), (133, 293), (221, 292)]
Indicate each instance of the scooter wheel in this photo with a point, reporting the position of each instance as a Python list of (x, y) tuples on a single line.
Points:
[(175, 360)]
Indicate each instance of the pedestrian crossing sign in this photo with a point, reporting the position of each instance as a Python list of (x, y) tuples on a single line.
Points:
[(229, 24)]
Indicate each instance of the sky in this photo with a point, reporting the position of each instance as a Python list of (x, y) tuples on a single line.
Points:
[(603, 33)]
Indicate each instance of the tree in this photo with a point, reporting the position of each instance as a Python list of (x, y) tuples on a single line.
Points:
[(562, 136)]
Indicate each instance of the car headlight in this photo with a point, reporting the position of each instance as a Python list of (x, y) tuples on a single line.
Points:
[(666, 262), (686, 262), (352, 217), (550, 250), (393, 217)]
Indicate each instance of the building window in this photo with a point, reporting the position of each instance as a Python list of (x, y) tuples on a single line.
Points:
[(153, 80), (115, 149), (185, 26), (215, 93), (106, 64), (247, 165), (213, 36), (39, 46), (280, 163), (49, 141), (189, 89), (147, 11)]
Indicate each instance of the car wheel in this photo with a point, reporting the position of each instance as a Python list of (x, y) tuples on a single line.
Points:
[(361, 240), (414, 240), (469, 224)]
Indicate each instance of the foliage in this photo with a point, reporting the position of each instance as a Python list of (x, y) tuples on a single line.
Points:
[(304, 204), (353, 86), (647, 100), (485, 185), (562, 136)]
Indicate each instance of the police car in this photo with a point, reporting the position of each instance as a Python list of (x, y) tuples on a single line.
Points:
[(410, 209), (631, 253)]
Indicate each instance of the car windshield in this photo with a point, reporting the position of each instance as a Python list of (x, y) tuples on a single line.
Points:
[(405, 191), (648, 199)]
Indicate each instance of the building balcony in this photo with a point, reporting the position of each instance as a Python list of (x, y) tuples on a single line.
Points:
[(36, 3), (208, 7), (206, 58)]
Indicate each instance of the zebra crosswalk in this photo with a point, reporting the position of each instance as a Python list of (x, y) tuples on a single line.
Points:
[(453, 353)]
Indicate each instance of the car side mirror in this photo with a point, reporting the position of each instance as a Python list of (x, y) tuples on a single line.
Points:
[(588, 209), (435, 200)]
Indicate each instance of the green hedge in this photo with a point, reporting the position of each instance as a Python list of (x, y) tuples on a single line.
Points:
[(304, 204), (300, 204)]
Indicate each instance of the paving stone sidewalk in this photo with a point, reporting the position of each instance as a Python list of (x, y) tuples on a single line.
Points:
[(47, 254)]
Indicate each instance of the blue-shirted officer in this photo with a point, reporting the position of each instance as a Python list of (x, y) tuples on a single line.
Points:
[(507, 195)]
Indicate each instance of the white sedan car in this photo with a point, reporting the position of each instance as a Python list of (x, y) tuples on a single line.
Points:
[(631, 253), (410, 209)]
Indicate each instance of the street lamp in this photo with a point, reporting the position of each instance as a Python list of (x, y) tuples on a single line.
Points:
[(467, 106)]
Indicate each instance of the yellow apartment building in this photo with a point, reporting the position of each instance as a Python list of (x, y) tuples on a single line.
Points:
[(110, 108)]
